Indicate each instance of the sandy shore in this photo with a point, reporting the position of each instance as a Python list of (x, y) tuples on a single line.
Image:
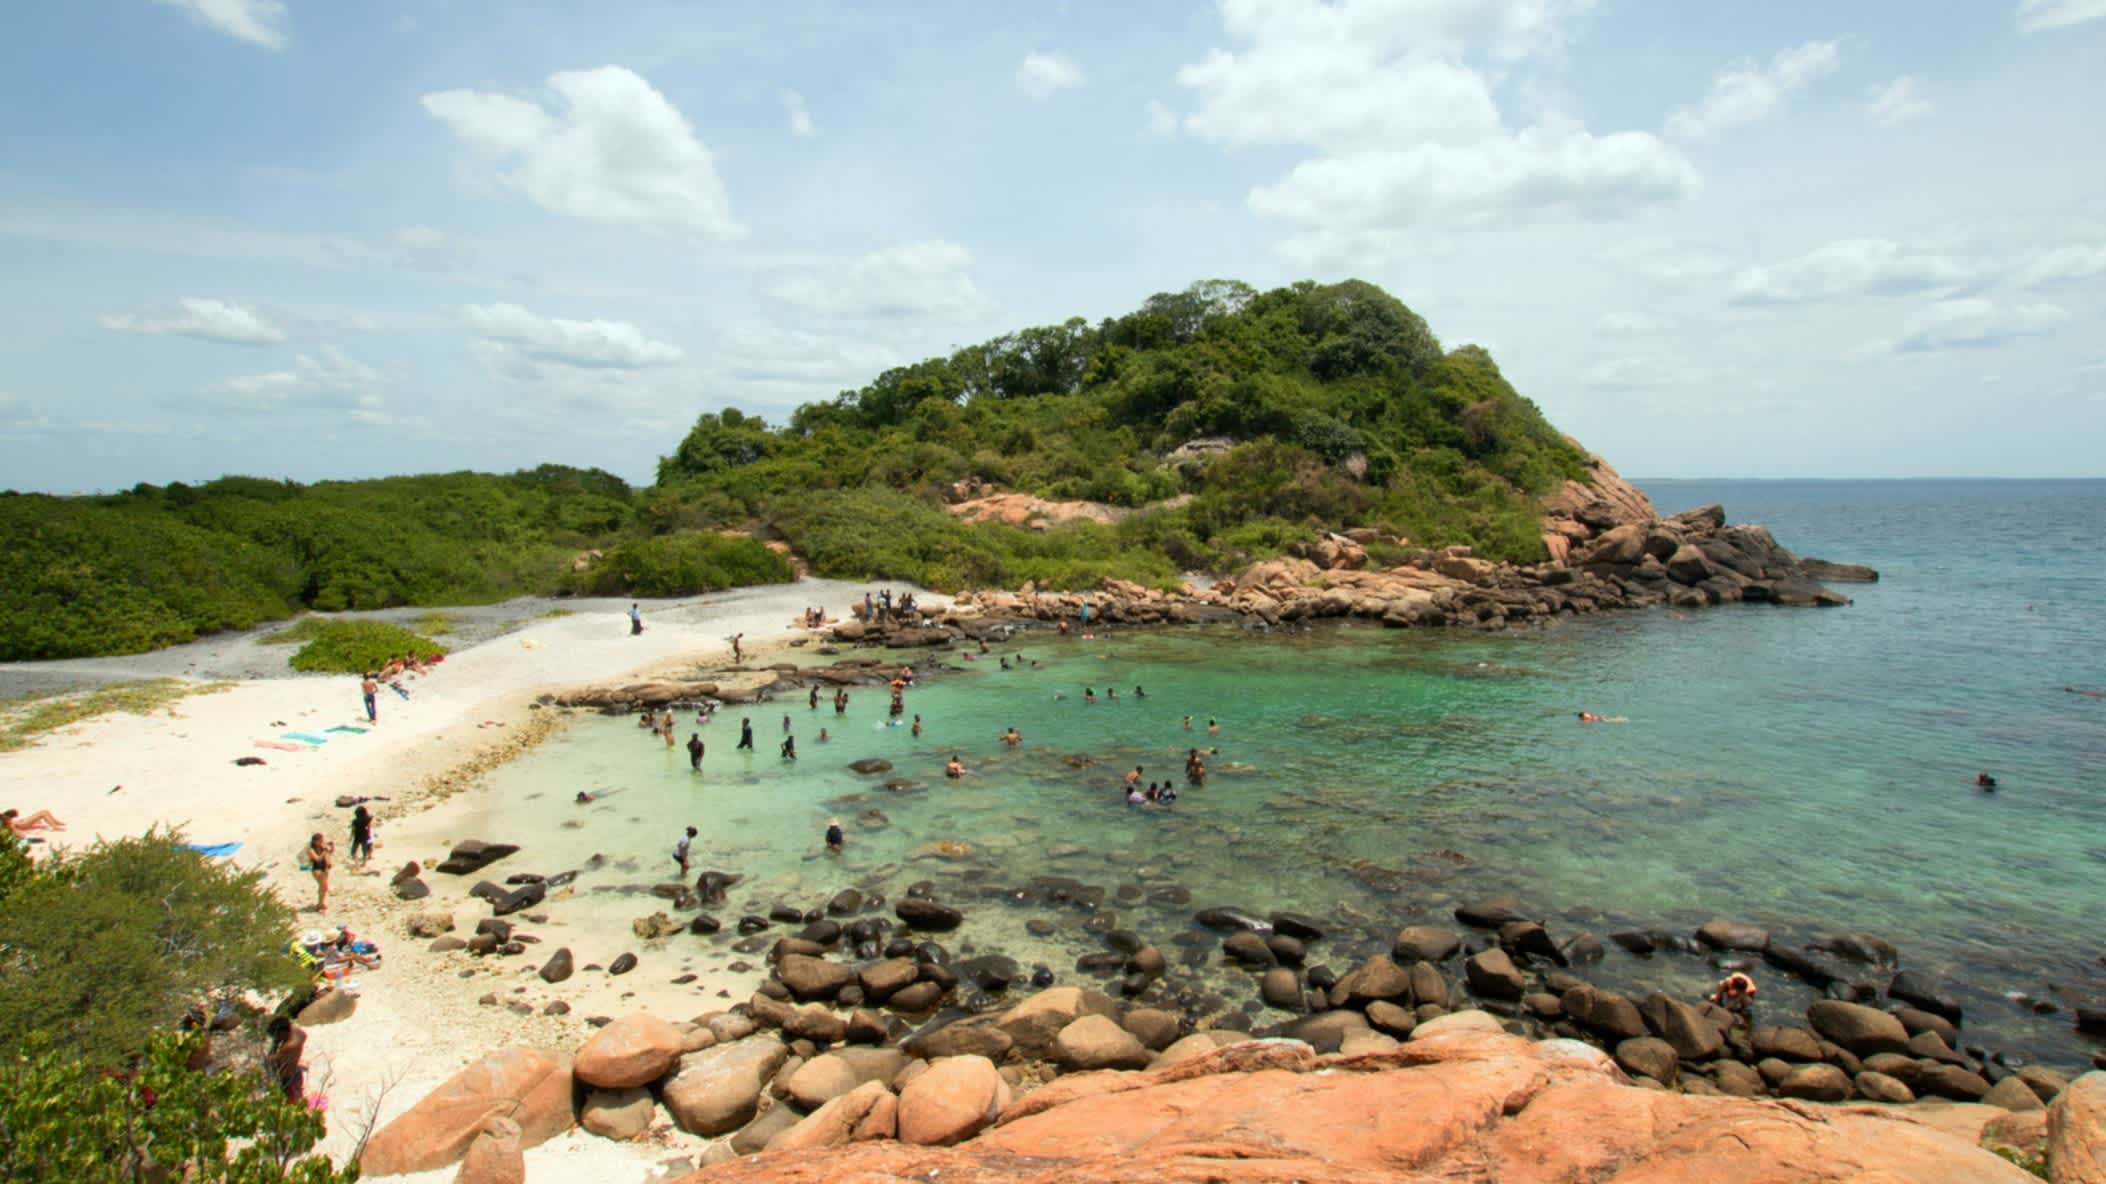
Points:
[(419, 1019)]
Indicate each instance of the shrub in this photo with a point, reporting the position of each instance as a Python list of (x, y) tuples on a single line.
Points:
[(349, 647), (685, 563), (101, 950)]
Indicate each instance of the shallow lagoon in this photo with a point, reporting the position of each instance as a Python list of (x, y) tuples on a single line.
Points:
[(1808, 770)]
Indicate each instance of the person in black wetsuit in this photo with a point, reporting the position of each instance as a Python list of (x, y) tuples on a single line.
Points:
[(789, 748), (361, 837), (695, 748), (746, 732)]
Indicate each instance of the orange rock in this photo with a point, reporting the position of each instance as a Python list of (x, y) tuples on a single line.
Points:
[(2076, 1132), (530, 1086), (956, 1097), (634, 1050), (495, 1157)]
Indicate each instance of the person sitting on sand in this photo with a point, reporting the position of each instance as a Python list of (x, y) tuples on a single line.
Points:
[(955, 768), (41, 820), (1983, 780), (1011, 737), (789, 748), (834, 834)]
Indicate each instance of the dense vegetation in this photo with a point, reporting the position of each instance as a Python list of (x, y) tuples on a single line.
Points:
[(101, 956), (1324, 407), (353, 646), (1306, 407)]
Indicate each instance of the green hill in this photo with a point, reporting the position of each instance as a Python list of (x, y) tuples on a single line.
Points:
[(1315, 407)]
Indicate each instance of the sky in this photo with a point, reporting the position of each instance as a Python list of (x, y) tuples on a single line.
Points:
[(312, 240)]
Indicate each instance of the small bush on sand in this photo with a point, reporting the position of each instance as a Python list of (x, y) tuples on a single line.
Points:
[(353, 646)]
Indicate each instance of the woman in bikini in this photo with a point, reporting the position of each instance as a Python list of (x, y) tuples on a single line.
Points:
[(318, 853)]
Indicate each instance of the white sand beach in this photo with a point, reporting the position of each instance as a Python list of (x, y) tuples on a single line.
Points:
[(418, 1019)]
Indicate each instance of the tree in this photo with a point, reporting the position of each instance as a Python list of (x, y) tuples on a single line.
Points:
[(100, 951)]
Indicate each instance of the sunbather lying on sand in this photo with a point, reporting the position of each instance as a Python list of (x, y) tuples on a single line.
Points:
[(41, 820)]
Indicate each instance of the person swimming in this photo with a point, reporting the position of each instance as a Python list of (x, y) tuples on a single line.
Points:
[(1089, 695), (1138, 693), (1213, 728), (917, 723), (955, 768), (1133, 796), (1111, 692), (1011, 737), (1983, 780)]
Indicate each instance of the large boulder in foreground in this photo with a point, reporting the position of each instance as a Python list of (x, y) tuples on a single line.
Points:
[(2076, 1131), (952, 1100), (530, 1086), (717, 1090), (1475, 1106), (634, 1050)]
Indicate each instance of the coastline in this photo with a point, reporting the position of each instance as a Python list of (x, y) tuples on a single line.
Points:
[(418, 1020)]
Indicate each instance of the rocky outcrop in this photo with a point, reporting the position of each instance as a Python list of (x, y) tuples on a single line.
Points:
[(527, 1085), (1472, 1105)]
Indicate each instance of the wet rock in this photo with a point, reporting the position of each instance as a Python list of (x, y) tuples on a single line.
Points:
[(977, 1036), (1917, 1020), (1791, 1044), (821, 933), (1738, 1081), (1391, 1019), (1647, 1056), (524, 897), (622, 964), (1427, 985), (1815, 1083), (1034, 1026), (1155, 1028), (1297, 926), (702, 925), (1721, 934), (1952, 1081), (1327, 1031), (558, 966), (1584, 949), (1526, 939), (1424, 943), (1288, 951), (1227, 920), (1859, 947), (1878, 1087), (1685, 1029), (1281, 989), (921, 913), (1493, 974), (1862, 1030), (471, 855), (812, 978), (991, 972), (1803, 964), (814, 1022), (750, 923), (1491, 912), (1612, 1015), (1248, 949), (1919, 989), (711, 885), (1376, 978), (2014, 1095), (1148, 962), (2043, 1081)]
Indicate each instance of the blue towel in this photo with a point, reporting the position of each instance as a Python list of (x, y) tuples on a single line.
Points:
[(214, 848), (304, 737), (348, 728)]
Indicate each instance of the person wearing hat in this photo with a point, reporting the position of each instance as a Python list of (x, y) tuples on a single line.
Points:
[(834, 835)]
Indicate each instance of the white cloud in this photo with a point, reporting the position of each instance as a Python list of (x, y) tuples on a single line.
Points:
[(1545, 170), (205, 319), (800, 118), (614, 150), (1898, 101), (1748, 92), (1635, 372), (326, 379), (2039, 16), (258, 22), (1667, 260), (1041, 74), (421, 238), (1970, 324), (514, 340), (2070, 263), (1851, 267), (795, 360), (1397, 99), (1162, 121), (918, 279)]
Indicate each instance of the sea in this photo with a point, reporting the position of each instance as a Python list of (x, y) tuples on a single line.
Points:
[(1808, 770)]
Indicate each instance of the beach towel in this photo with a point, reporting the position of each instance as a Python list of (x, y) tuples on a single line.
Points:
[(214, 849), (304, 737), (281, 746), (348, 728)]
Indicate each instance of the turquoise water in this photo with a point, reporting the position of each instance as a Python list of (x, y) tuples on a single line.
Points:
[(1806, 769)]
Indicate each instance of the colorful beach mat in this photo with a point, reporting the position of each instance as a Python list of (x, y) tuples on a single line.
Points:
[(214, 849), (304, 737), (356, 731), (282, 746)]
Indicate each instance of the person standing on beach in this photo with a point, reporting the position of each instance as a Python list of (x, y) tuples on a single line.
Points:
[(680, 847), (319, 850), (361, 838), (694, 751), (369, 686), (738, 648), (635, 620), (746, 732)]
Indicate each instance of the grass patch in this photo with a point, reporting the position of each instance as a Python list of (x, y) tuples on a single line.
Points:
[(555, 612), (350, 647), (435, 622), (23, 720), (304, 630)]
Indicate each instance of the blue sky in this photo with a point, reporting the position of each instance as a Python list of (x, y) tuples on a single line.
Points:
[(300, 239)]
